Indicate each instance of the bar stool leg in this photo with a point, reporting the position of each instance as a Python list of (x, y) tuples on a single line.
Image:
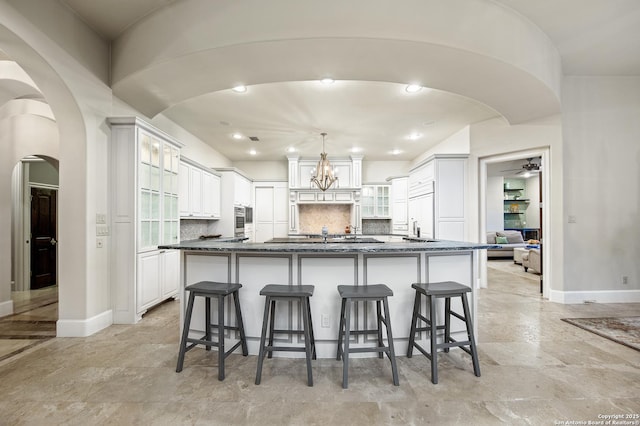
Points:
[(472, 340), (207, 319), (414, 320), (221, 354), (379, 316), (261, 353), (340, 330), (392, 353), (313, 339), (345, 356), (447, 321), (307, 339), (271, 325), (185, 332), (243, 338), (433, 323)]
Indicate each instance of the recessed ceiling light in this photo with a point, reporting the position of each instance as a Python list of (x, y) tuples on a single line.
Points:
[(291, 149), (240, 89), (236, 136), (415, 136), (253, 152), (327, 80), (413, 88), (396, 152), (356, 149)]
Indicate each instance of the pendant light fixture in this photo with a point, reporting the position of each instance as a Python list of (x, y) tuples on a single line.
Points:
[(324, 175)]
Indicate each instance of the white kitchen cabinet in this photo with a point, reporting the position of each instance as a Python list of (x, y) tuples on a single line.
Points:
[(271, 216), (210, 195), (199, 192), (399, 205), (235, 190), (375, 201), (158, 277), (437, 198), (145, 164)]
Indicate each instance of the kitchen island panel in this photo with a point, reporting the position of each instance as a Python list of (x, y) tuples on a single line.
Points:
[(254, 271), (326, 273), (398, 273), (204, 267)]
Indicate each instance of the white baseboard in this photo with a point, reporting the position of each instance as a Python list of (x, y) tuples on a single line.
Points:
[(598, 296), (6, 308), (84, 328)]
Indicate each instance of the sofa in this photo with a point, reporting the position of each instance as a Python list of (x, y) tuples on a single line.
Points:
[(514, 239)]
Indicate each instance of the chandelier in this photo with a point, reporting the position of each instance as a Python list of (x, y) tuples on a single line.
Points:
[(324, 175)]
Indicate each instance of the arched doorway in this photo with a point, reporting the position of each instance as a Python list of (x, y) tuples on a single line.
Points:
[(39, 63)]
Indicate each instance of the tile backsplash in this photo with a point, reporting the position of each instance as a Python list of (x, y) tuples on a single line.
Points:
[(191, 229), (376, 226), (312, 217)]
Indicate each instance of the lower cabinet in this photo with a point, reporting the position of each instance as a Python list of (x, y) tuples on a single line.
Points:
[(158, 278)]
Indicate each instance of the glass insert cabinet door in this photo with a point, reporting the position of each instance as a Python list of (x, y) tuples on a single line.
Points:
[(367, 200), (171, 214), (382, 201), (157, 191)]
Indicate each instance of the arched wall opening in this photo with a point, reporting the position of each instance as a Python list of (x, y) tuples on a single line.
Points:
[(70, 128)]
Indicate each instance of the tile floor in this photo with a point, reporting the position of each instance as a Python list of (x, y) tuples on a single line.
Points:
[(536, 370)]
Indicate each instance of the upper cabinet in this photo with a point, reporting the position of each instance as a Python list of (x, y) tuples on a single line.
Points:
[(375, 202), (438, 192), (399, 204), (199, 192)]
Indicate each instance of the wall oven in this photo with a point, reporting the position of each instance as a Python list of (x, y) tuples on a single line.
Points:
[(239, 220)]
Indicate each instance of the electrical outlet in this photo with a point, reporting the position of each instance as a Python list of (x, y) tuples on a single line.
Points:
[(324, 321), (625, 279)]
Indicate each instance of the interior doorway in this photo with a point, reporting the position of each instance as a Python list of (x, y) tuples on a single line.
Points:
[(499, 210), (43, 237), (35, 235)]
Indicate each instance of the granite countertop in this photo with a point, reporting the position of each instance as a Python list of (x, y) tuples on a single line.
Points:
[(418, 246)]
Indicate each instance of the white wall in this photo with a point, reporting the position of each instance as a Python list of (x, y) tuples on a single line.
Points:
[(494, 137), (379, 171), (265, 170), (457, 143), (602, 182), (495, 203)]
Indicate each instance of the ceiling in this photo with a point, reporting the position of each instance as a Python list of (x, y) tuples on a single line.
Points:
[(593, 37)]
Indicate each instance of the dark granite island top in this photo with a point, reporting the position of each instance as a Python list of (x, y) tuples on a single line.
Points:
[(216, 245)]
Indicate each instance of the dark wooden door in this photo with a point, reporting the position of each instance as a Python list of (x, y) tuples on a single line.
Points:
[(43, 237)]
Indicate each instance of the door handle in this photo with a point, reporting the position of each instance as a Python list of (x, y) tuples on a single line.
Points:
[(53, 242)]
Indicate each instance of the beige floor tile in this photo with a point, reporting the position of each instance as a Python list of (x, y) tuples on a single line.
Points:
[(536, 370)]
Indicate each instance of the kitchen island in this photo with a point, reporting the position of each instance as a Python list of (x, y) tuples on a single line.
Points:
[(326, 265)]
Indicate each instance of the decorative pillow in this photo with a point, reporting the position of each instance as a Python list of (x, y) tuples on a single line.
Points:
[(491, 237), (513, 237), (502, 240)]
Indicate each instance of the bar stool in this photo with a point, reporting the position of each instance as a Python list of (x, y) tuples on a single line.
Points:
[(301, 293), (433, 291), (370, 293), (208, 290)]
